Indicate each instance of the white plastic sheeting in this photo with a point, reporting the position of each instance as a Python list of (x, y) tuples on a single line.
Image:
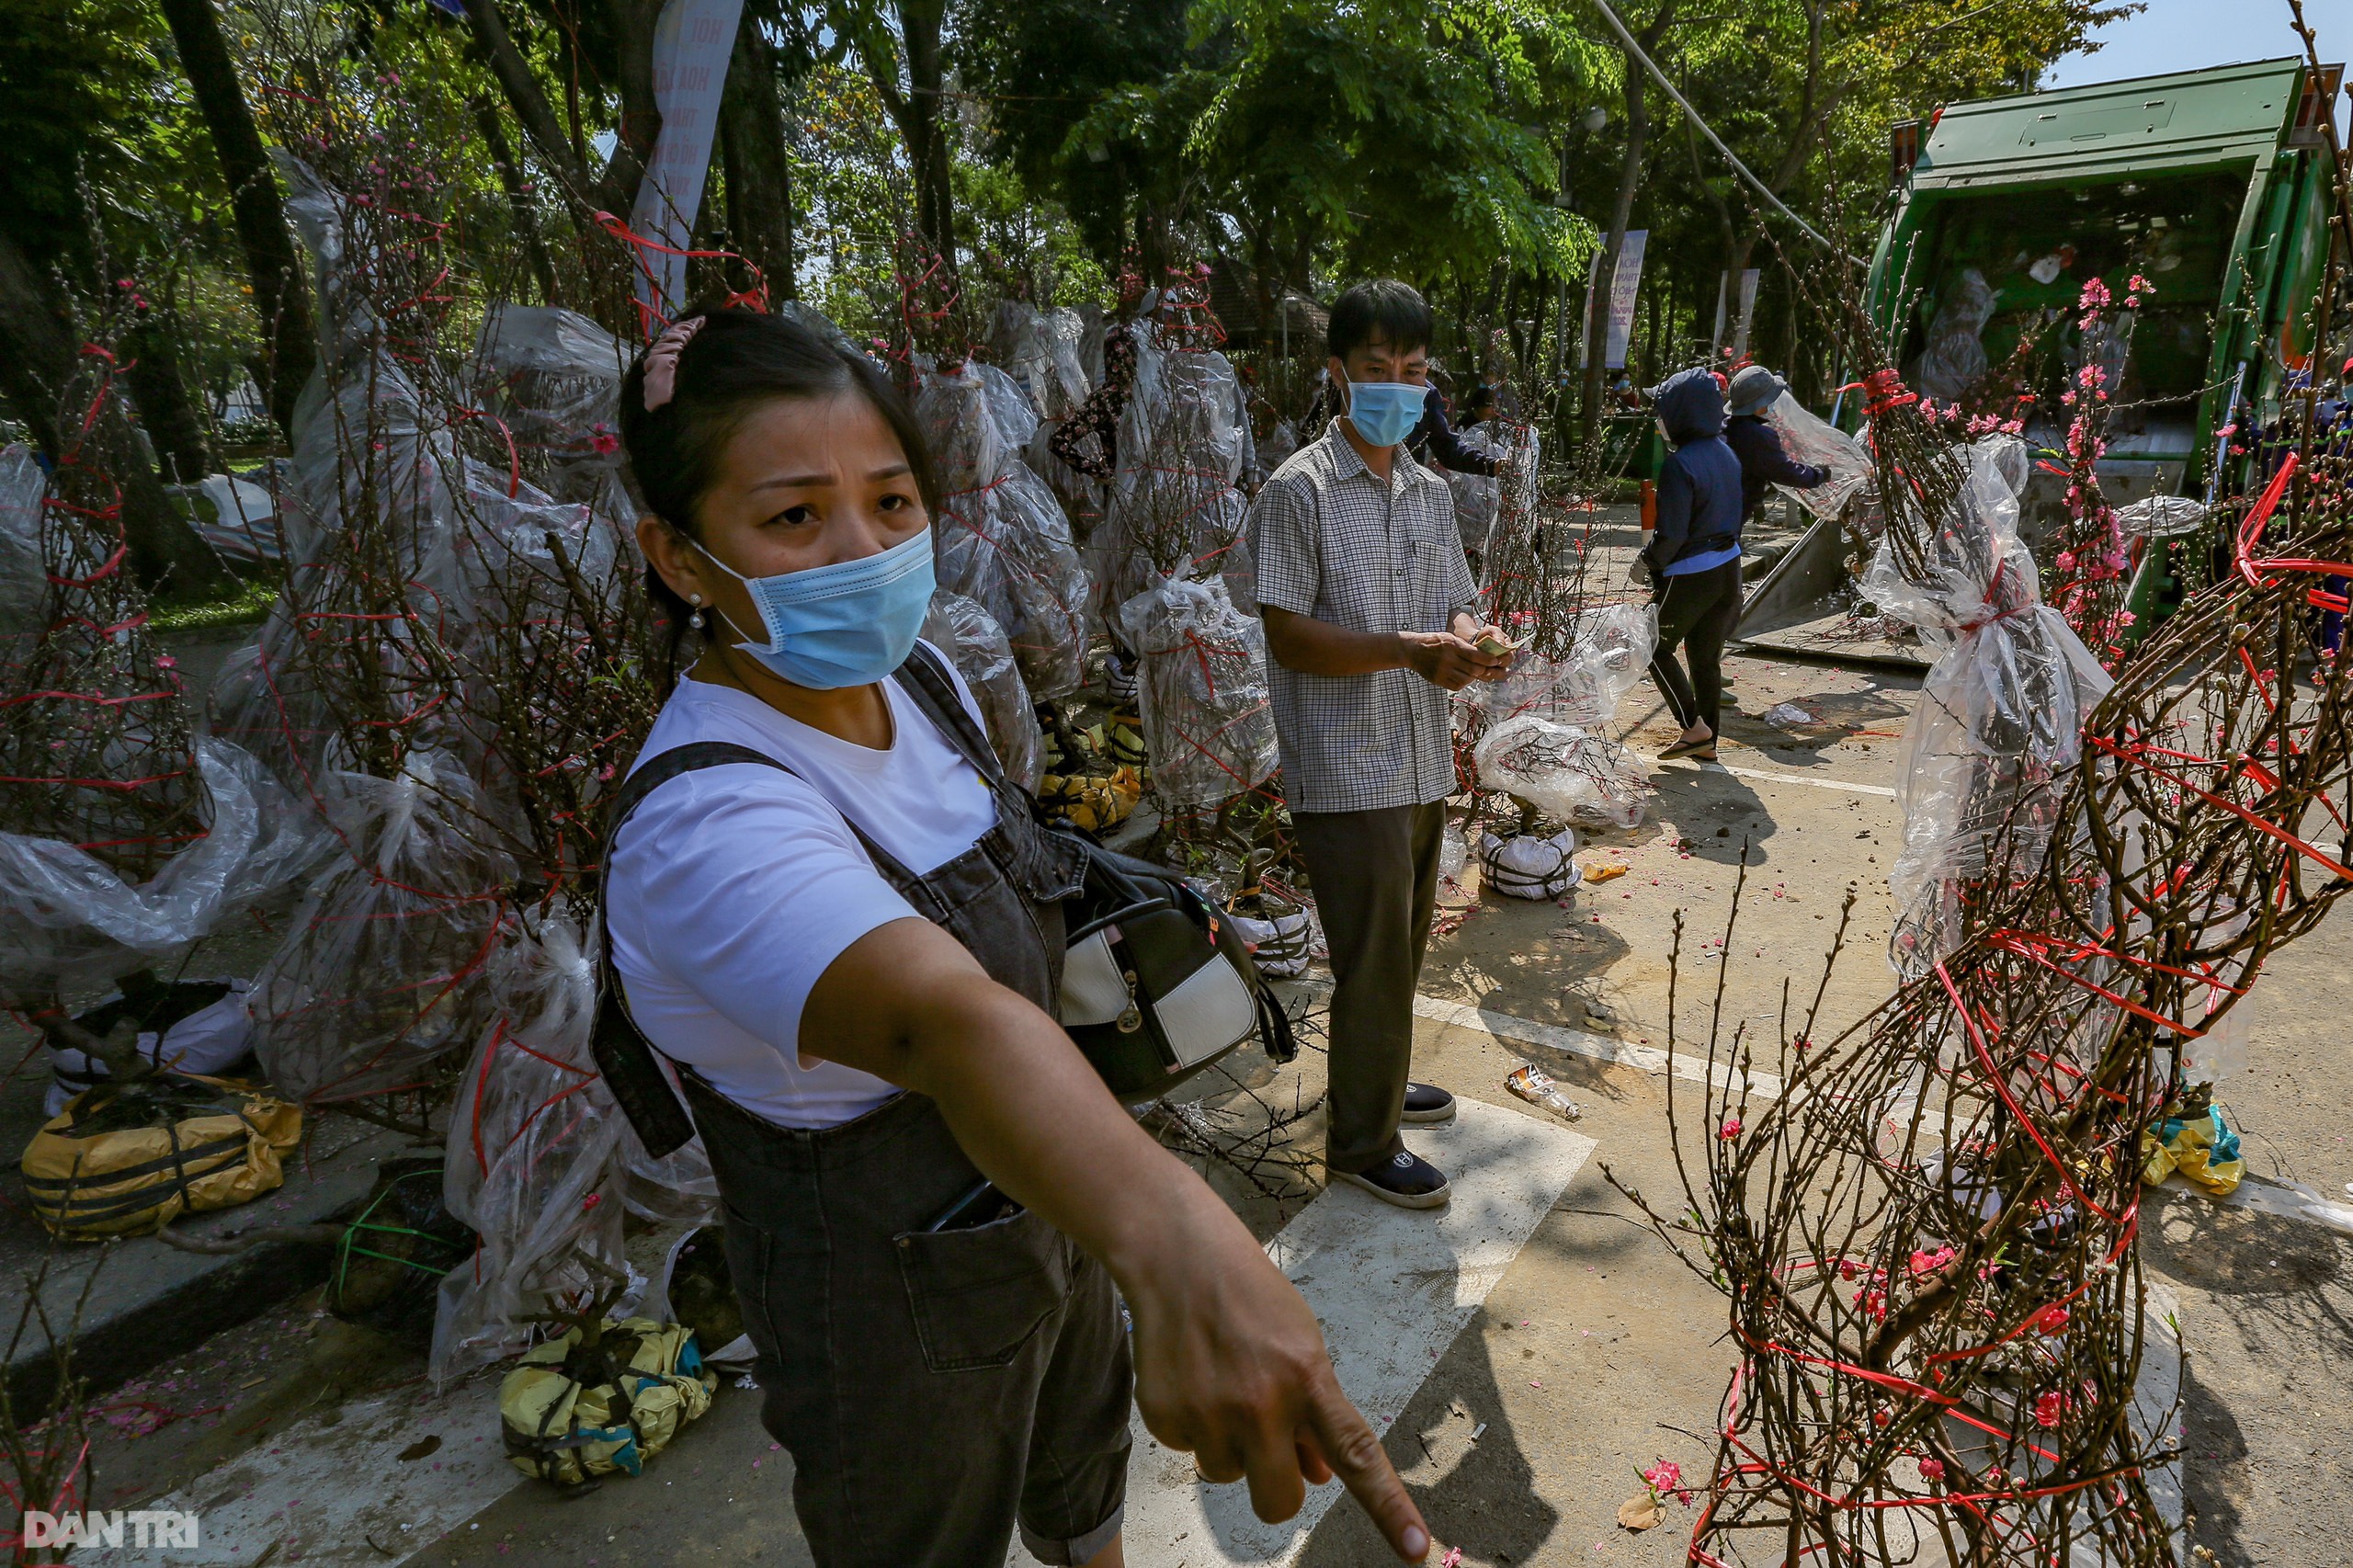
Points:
[(1173, 509), (1529, 865), (1609, 654), (69, 921), (968, 634), (1954, 361), (1999, 723), (1807, 438), (381, 971), (1566, 772), (1202, 692), (1001, 537)]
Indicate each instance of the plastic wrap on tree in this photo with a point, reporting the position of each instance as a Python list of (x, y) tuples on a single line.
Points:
[(1202, 688), (2161, 516), (1008, 404), (535, 1165), (1183, 447), (1477, 496), (1954, 361), (1999, 723), (965, 631), (816, 320), (1041, 350), (381, 971), (24, 581), (68, 921), (1809, 439), (1566, 772), (1001, 537), (1609, 654), (553, 381)]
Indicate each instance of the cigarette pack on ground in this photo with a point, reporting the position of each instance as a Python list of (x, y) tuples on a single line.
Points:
[(1536, 1087)]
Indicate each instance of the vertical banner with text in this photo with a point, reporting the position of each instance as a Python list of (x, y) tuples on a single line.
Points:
[(692, 46), (1747, 315), (1623, 288)]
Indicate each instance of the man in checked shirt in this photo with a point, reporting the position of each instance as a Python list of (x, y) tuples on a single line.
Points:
[(1372, 620)]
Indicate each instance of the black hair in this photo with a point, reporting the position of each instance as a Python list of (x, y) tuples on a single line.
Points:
[(736, 360), (1481, 397), (1383, 310)]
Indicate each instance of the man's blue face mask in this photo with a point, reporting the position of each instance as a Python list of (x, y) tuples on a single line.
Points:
[(1384, 412), (850, 623)]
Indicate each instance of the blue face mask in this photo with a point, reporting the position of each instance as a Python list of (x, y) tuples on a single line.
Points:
[(1385, 413), (848, 624)]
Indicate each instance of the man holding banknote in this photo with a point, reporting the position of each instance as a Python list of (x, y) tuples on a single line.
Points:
[(1371, 621)]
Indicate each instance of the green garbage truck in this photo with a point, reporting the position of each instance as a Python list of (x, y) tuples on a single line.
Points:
[(2214, 186)]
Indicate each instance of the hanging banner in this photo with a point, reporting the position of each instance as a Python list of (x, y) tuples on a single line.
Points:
[(1623, 288), (692, 46), (1749, 281)]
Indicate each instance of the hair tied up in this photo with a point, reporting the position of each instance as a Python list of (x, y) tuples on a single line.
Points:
[(662, 361)]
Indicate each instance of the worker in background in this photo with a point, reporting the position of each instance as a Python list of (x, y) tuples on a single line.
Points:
[(1693, 557), (1435, 437), (1757, 445)]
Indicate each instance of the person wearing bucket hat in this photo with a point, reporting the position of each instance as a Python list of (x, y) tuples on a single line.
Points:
[(1763, 463)]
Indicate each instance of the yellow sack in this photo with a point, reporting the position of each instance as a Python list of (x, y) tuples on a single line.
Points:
[(2203, 1148), (126, 1157), (572, 1412)]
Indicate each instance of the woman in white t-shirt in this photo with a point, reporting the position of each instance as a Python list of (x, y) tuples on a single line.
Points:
[(838, 922)]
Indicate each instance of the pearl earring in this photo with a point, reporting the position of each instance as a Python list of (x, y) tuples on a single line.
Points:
[(695, 619)]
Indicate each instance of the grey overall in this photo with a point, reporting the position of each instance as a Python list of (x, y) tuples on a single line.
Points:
[(934, 1388)]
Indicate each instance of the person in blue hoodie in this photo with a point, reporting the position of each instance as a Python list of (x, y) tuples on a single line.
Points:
[(1693, 558)]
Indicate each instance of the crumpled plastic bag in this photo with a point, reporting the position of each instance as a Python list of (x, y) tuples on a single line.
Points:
[(1566, 772), (195, 1036), (1477, 496), (381, 971), (1954, 360), (1809, 439), (24, 580), (1202, 690), (1529, 865), (1281, 945), (1000, 538), (1999, 723), (68, 921), (972, 639)]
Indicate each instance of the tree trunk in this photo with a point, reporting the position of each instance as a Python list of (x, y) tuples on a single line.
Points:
[(518, 200), (1622, 211), (532, 111), (760, 177), (279, 296), (920, 112), (168, 414), (40, 373), (632, 23)]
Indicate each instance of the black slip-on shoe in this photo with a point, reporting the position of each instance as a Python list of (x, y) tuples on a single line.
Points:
[(1426, 1103), (1404, 1179)]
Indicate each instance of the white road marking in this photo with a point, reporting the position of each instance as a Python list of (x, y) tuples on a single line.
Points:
[(336, 1492), (1392, 1290), (1809, 783), (1602, 1048)]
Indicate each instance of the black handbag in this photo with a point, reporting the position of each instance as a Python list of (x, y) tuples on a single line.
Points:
[(1158, 984)]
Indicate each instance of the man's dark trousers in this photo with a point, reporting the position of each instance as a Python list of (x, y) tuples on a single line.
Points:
[(1375, 879)]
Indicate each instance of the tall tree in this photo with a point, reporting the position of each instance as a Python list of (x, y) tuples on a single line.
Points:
[(759, 171), (280, 295), (902, 44), (1622, 211)]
